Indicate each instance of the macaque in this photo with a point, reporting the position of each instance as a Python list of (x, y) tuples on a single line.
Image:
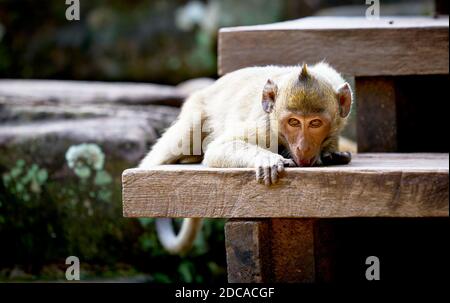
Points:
[(265, 118)]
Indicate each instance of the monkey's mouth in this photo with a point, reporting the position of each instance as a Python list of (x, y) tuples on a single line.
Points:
[(305, 162)]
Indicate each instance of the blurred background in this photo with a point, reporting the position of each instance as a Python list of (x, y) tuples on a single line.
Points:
[(64, 145)]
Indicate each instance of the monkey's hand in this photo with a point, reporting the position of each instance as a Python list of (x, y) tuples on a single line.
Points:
[(336, 158), (270, 166)]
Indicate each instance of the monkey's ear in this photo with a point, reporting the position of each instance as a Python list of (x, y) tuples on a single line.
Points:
[(268, 96), (345, 98)]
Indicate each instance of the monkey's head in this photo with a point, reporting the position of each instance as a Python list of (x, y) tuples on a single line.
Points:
[(310, 113)]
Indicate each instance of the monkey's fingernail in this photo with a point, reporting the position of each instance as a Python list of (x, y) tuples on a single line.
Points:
[(259, 178), (280, 168), (274, 174)]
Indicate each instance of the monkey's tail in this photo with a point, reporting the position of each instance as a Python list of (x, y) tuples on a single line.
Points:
[(181, 243)]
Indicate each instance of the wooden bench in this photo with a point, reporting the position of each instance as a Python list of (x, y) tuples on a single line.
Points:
[(373, 185), (284, 234)]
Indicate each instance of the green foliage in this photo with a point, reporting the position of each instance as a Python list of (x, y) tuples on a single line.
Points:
[(45, 218), (205, 262), (162, 41), (48, 213), (27, 228), (23, 182)]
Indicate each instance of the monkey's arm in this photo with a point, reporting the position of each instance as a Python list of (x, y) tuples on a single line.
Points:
[(336, 158), (337, 151), (238, 153)]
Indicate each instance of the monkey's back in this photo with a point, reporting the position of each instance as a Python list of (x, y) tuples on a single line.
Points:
[(236, 97)]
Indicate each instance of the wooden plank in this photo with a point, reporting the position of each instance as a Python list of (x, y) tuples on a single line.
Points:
[(248, 251), (377, 114), (372, 185), (353, 45)]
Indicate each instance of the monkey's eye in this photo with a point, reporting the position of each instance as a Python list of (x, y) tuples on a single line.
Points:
[(294, 122), (315, 123)]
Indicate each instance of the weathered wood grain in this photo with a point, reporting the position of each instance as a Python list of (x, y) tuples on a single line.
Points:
[(353, 45), (272, 250), (373, 185), (248, 251)]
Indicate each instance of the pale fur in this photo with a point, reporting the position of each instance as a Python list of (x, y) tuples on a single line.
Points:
[(226, 107)]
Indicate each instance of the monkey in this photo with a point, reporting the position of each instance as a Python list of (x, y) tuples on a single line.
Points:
[(300, 108)]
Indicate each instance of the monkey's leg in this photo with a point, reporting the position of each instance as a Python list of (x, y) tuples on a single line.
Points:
[(337, 152), (181, 140), (336, 158), (169, 149), (238, 153), (163, 153)]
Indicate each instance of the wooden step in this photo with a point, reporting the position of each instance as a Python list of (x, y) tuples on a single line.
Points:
[(355, 46), (372, 185)]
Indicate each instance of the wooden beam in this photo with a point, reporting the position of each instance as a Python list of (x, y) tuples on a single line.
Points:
[(248, 251), (256, 250), (353, 45), (372, 185), (292, 250), (377, 114)]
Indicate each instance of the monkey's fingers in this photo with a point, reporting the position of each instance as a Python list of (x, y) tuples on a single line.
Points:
[(259, 174), (274, 174), (289, 163), (269, 169), (280, 167), (267, 180)]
